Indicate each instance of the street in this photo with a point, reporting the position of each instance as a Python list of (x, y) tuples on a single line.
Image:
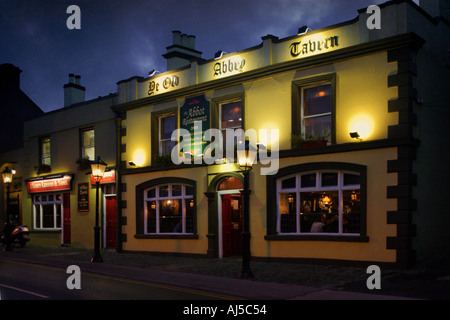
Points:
[(26, 281)]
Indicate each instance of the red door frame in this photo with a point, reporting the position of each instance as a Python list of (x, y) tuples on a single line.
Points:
[(66, 236)]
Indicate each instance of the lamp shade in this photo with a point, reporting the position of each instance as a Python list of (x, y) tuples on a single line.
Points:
[(246, 154), (98, 168), (7, 175)]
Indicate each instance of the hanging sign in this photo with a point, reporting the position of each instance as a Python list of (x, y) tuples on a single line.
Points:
[(108, 177), (61, 183), (194, 117)]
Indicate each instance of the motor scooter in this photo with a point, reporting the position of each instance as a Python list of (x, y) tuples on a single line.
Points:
[(20, 235)]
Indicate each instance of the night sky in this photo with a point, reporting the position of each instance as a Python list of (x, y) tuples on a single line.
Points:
[(122, 39)]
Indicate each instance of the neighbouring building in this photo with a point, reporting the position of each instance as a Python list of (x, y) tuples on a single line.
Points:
[(371, 194), (15, 108), (59, 195)]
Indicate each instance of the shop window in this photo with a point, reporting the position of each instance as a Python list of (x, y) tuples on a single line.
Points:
[(47, 211), (313, 110), (88, 143), (319, 200), (44, 149), (168, 207)]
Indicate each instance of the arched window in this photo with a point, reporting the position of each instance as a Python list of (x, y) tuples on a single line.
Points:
[(166, 209), (169, 208)]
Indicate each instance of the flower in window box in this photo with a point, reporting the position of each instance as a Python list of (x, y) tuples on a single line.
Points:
[(299, 141), (84, 164), (42, 168)]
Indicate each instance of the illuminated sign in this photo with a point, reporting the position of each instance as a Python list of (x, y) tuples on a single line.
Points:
[(162, 84), (108, 177), (229, 66), (313, 46), (194, 111), (62, 183)]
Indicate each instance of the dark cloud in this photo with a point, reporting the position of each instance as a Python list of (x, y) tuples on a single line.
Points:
[(121, 39)]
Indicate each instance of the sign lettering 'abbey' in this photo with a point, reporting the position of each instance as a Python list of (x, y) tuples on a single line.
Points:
[(299, 48)]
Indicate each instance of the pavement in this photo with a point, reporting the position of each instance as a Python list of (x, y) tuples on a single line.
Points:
[(429, 280)]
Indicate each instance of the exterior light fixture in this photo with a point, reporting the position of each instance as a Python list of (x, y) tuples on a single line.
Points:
[(355, 135), (303, 30), (7, 176), (246, 157), (98, 168), (131, 163)]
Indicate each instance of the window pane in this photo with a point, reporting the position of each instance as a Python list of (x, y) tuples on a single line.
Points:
[(47, 216), (189, 190), (352, 211), (288, 217), (317, 100), (151, 216), (88, 138), (230, 183), (167, 127), (169, 216), (319, 207), (189, 204), (38, 216), (166, 147), (58, 215), (351, 179), (151, 193), (164, 191), (318, 126), (89, 153), (176, 190), (231, 115), (289, 183), (308, 180), (329, 179)]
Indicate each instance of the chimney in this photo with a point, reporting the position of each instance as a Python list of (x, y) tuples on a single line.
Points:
[(74, 92), (9, 77), (182, 51), (436, 8)]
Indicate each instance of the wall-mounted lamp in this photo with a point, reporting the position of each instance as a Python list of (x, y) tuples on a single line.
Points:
[(152, 73), (131, 163), (219, 54), (355, 135)]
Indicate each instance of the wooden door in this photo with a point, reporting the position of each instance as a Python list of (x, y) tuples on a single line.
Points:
[(111, 223), (227, 226)]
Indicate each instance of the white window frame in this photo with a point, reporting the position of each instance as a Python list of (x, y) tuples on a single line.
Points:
[(161, 140), (83, 146), (45, 156), (320, 115), (183, 197), (38, 205), (318, 188)]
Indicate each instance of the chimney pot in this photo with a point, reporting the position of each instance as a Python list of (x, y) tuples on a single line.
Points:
[(176, 37), (77, 80)]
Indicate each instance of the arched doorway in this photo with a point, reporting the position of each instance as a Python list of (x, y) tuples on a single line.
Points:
[(225, 215)]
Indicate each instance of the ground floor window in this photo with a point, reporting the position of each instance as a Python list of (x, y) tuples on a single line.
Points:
[(318, 200), (47, 211), (169, 208)]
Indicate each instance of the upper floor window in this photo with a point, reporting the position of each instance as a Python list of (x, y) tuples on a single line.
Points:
[(314, 107), (88, 143), (167, 124), (230, 118), (45, 154)]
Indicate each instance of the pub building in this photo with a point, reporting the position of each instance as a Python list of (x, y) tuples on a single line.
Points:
[(59, 193), (369, 193)]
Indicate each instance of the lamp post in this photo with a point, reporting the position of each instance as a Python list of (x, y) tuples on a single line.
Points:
[(7, 176), (98, 168), (246, 157)]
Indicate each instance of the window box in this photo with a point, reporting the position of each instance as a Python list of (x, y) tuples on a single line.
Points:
[(42, 168)]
